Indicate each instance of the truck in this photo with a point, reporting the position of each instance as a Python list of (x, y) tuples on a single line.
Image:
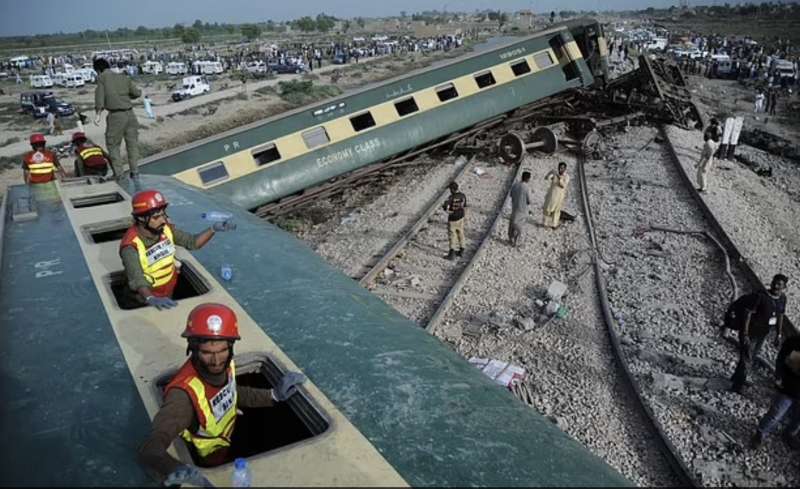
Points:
[(191, 86)]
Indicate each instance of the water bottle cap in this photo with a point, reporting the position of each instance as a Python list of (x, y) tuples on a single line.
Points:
[(240, 463)]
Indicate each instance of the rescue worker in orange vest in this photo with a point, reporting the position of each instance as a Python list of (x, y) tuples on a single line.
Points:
[(148, 251), (40, 165), (90, 159), (201, 401)]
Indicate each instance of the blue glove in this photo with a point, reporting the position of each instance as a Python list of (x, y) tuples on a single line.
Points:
[(160, 303), (186, 474), (288, 385), (224, 226)]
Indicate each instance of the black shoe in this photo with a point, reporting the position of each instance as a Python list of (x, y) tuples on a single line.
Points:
[(460, 252), (451, 255), (756, 440)]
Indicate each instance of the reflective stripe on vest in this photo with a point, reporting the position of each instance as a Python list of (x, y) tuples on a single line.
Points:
[(216, 416), (41, 168), (92, 156), (158, 261)]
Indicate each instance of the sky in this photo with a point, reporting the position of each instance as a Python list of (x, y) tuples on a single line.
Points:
[(25, 17)]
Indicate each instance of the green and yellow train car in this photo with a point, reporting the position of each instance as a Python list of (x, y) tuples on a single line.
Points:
[(282, 155), (385, 403)]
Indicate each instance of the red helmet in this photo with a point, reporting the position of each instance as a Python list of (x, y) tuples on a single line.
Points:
[(147, 201), (212, 321), (37, 138), (78, 135)]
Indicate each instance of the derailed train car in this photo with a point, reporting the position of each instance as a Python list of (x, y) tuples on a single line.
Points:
[(386, 404), (279, 156)]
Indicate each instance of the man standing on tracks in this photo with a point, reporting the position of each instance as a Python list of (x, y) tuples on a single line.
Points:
[(787, 398), (90, 159), (555, 195), (114, 93), (706, 159), (148, 251), (455, 206), (520, 200), (764, 311), (201, 400), (40, 164)]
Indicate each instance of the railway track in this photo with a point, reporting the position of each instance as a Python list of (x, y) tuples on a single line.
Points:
[(675, 270)]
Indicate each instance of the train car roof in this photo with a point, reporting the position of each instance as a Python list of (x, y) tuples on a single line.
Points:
[(79, 373)]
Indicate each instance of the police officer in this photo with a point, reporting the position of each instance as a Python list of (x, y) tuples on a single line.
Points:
[(201, 401), (114, 93), (455, 205), (90, 159), (40, 164), (148, 251)]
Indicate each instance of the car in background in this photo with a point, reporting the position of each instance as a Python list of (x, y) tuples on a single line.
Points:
[(38, 104), (191, 86), (280, 68)]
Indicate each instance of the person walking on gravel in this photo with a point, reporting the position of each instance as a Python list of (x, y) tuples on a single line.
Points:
[(454, 206), (555, 195), (706, 162), (764, 311), (520, 200), (787, 397)]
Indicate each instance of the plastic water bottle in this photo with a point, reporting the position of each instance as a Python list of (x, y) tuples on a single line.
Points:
[(216, 216), (226, 272), (241, 474)]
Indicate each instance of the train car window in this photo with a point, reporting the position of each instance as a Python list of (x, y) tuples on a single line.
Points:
[(543, 60), (520, 68), (362, 121), (446, 92), (266, 154), (315, 137), (485, 79), (190, 284), (104, 232), (95, 200), (405, 107), (215, 172)]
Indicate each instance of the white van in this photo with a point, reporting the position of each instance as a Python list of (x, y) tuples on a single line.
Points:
[(73, 80), (41, 81), (784, 68), (207, 68), (152, 67), (192, 86), (88, 74), (724, 64), (60, 79), (656, 44), (176, 68)]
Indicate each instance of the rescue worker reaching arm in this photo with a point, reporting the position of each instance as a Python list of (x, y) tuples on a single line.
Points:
[(148, 250), (90, 159), (40, 165), (200, 402)]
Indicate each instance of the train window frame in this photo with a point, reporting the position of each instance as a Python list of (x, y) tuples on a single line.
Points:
[(302, 404), (258, 151), (204, 170), (310, 137), (99, 232), (446, 92), (520, 62), (547, 54), (403, 113), (191, 284), (96, 200), (362, 121), (483, 81)]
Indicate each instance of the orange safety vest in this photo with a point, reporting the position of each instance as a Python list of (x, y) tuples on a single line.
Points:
[(92, 156), (158, 261), (215, 408), (41, 166)]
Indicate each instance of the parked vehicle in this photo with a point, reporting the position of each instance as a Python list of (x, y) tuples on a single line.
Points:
[(340, 59), (192, 86), (58, 107), (152, 67), (38, 104), (207, 68), (287, 68), (88, 74), (41, 81), (73, 80), (784, 68), (656, 44), (176, 68)]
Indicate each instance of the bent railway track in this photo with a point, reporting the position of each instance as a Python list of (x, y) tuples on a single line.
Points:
[(648, 223)]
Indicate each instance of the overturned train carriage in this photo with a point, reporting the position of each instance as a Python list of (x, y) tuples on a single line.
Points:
[(282, 155), (386, 404)]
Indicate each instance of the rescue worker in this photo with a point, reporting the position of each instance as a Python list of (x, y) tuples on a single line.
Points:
[(455, 205), (706, 162), (520, 200), (764, 311), (40, 164), (148, 251), (90, 159), (201, 400), (554, 200), (787, 397), (114, 93)]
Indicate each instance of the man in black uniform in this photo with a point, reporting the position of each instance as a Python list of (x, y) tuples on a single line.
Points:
[(763, 312), (454, 205)]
